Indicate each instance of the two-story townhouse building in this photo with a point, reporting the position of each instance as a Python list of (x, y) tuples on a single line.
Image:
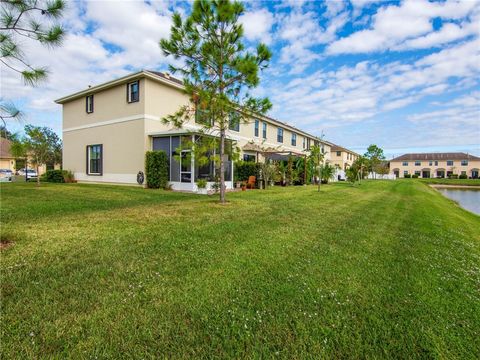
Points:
[(108, 128), (341, 157), (440, 165)]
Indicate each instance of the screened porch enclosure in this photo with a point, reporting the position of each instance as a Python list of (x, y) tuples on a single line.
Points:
[(184, 170)]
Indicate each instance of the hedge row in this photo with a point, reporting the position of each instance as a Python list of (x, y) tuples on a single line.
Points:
[(156, 169), (245, 169)]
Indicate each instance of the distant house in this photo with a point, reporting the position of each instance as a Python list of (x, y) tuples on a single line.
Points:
[(7, 161), (342, 158), (108, 128), (435, 165)]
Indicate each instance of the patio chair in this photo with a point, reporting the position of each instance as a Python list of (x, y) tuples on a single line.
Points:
[(251, 182)]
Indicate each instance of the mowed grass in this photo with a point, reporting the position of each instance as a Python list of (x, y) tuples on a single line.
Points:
[(387, 269)]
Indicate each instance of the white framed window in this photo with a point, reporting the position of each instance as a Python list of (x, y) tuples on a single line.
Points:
[(95, 159), (418, 163), (280, 135), (89, 104), (264, 130), (464, 163), (294, 139), (405, 163), (133, 92), (257, 127)]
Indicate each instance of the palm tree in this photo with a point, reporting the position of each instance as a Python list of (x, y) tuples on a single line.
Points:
[(328, 171)]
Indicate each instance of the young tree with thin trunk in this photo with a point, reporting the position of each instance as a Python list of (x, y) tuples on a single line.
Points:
[(217, 71), (375, 156), (41, 145), (316, 157)]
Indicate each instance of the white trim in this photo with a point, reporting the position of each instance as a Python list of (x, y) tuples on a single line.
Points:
[(114, 121), (107, 178), (179, 186), (189, 128)]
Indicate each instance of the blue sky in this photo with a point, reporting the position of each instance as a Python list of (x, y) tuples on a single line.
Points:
[(401, 74)]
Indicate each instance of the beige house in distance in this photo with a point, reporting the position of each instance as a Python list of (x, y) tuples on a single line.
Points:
[(108, 128), (342, 158), (435, 165), (7, 161)]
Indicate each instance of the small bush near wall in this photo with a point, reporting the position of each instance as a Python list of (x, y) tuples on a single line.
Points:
[(54, 176), (415, 176), (244, 169), (453, 176), (463, 176), (156, 169), (407, 176)]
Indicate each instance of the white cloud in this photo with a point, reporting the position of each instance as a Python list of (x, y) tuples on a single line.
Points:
[(257, 25), (409, 26), (371, 89)]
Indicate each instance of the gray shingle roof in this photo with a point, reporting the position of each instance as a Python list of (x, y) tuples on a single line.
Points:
[(435, 156)]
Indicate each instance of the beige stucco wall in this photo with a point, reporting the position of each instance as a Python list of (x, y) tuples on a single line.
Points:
[(109, 104), (123, 151), (7, 164), (344, 160), (457, 168)]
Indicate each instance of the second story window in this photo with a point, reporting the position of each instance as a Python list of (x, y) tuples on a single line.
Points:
[(280, 135), (339, 153), (264, 130), (133, 92), (304, 142), (294, 139), (464, 163), (436, 163), (405, 163), (449, 162), (308, 144), (89, 104), (257, 126), (418, 163), (234, 121)]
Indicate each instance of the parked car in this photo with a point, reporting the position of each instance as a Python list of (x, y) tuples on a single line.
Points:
[(6, 175), (31, 174)]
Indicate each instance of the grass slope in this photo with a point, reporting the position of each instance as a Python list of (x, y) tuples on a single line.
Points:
[(384, 270)]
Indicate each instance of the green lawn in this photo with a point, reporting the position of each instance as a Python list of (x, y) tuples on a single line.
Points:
[(387, 269)]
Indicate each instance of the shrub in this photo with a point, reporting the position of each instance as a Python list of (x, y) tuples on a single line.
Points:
[(463, 176), (68, 176), (202, 183), (415, 176), (453, 176), (244, 169), (407, 176), (54, 176), (156, 169)]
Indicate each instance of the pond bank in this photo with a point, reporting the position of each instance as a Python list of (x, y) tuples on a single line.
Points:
[(445, 186)]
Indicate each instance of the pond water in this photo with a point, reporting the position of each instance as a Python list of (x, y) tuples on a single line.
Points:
[(469, 199)]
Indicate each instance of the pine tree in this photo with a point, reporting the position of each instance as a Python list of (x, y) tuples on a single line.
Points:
[(217, 71)]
